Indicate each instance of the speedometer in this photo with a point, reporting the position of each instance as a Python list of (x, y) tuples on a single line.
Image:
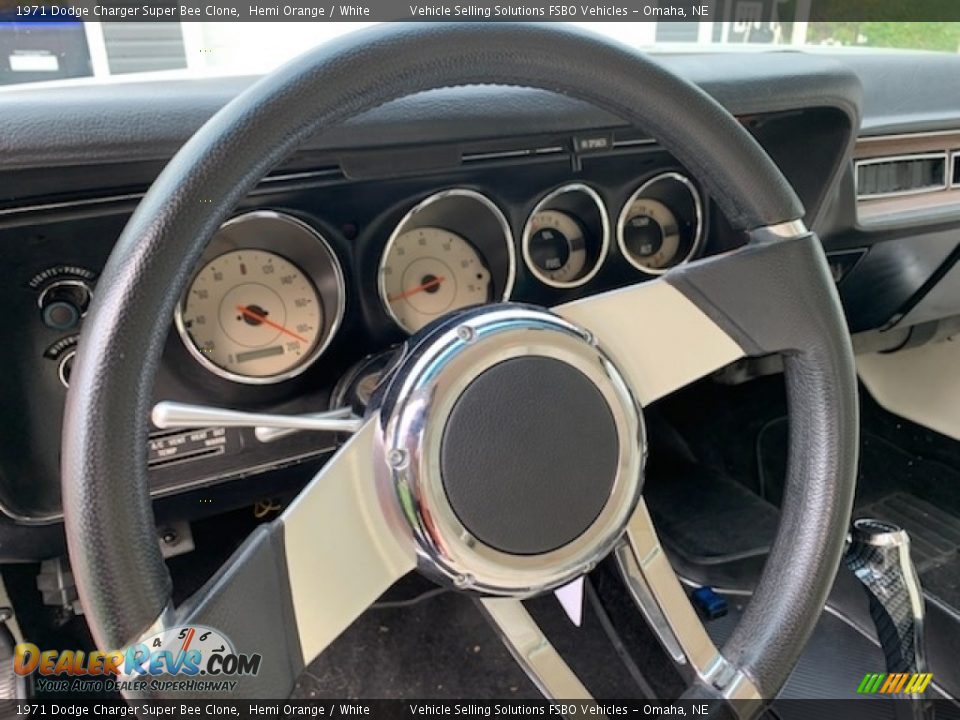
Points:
[(266, 301), (253, 313)]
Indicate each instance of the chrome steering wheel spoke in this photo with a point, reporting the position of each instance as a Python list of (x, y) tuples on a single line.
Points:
[(659, 595)]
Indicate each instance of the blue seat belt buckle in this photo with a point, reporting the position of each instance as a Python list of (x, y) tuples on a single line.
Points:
[(709, 603)]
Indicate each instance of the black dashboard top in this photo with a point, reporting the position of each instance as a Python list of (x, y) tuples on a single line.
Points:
[(143, 121)]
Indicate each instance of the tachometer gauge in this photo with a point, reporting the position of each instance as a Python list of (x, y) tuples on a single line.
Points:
[(661, 225), (266, 302), (427, 272), (253, 313)]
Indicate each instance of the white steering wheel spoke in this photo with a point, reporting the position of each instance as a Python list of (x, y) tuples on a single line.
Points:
[(342, 552), (296, 584), (656, 336)]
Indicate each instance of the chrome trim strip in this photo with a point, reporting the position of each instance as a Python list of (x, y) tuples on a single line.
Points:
[(906, 136), (326, 260), (532, 650), (787, 230), (304, 175), (604, 242), (507, 154), (496, 155), (166, 491), (637, 142), (939, 155), (125, 197), (67, 204), (637, 194)]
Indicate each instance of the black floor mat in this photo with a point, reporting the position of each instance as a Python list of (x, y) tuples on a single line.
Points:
[(934, 542), (885, 468), (707, 517), (440, 648), (919, 493)]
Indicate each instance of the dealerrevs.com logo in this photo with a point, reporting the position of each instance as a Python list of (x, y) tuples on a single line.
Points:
[(187, 658)]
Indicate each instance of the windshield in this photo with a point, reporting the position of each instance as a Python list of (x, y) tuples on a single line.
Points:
[(32, 52)]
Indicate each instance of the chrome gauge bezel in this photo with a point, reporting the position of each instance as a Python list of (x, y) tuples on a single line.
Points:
[(427, 213), (688, 184), (547, 203), (305, 248)]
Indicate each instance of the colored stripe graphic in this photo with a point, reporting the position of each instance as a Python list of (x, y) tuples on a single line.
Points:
[(871, 683), (894, 683), (918, 683)]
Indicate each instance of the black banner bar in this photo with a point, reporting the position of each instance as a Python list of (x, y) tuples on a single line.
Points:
[(738, 12), (864, 709)]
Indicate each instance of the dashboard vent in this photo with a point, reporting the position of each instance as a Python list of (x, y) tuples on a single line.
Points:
[(896, 175), (956, 169)]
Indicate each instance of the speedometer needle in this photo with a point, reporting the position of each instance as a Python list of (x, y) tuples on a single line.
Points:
[(266, 321), (428, 285)]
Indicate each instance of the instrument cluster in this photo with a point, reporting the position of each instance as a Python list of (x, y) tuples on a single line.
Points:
[(269, 295)]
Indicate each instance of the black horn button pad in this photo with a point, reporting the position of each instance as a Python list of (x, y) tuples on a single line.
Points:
[(529, 455)]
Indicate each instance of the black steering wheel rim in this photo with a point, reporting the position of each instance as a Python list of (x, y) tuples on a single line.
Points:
[(108, 513)]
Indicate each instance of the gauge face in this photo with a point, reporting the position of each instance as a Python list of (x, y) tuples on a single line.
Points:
[(650, 234), (661, 225), (427, 272), (253, 314), (556, 247)]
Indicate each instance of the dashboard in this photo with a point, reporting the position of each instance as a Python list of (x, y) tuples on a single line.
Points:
[(433, 203), (301, 297)]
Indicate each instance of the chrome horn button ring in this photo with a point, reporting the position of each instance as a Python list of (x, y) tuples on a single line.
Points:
[(470, 536)]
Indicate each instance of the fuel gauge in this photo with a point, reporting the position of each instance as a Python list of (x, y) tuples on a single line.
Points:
[(567, 237), (556, 246)]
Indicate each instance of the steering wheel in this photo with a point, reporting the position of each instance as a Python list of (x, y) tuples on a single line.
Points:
[(466, 468)]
